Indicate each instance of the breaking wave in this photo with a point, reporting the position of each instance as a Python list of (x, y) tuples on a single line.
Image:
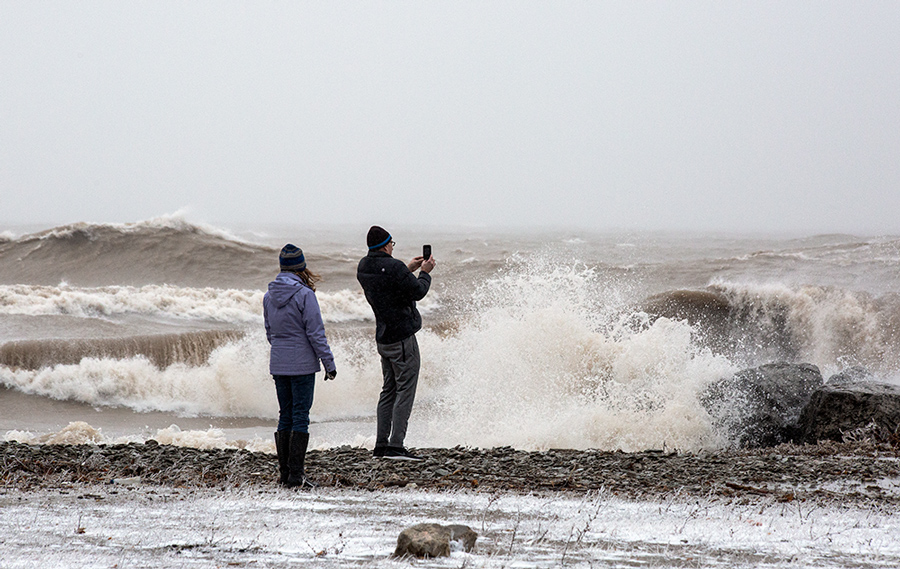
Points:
[(162, 350), (233, 381), (554, 359), (538, 355), (162, 250), (831, 327), (537, 358), (215, 304), (99, 231)]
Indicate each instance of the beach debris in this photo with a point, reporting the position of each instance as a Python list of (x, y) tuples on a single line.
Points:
[(130, 481), (434, 540)]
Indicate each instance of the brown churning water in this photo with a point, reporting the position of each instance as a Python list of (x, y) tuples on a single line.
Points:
[(558, 339)]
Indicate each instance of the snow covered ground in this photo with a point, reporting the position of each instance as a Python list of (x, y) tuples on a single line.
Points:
[(159, 527)]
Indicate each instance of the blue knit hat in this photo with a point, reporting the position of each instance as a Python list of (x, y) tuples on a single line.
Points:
[(291, 258)]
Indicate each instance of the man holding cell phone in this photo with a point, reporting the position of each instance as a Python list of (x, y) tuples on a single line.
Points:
[(392, 289)]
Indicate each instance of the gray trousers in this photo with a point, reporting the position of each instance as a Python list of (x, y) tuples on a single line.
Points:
[(400, 366)]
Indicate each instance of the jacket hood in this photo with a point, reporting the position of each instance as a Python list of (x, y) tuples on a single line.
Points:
[(284, 287)]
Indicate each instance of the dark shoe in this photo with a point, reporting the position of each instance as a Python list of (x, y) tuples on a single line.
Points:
[(296, 475), (283, 449), (304, 484), (400, 453), (379, 451)]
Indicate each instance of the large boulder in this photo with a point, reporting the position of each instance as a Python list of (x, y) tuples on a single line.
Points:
[(761, 407), (851, 402), (433, 540)]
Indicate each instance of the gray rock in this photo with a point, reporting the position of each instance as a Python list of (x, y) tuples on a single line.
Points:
[(433, 540), (849, 402), (761, 407)]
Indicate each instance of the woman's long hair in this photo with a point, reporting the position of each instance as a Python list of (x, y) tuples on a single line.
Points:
[(308, 277)]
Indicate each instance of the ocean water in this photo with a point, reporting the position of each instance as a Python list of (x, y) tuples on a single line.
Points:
[(123, 332)]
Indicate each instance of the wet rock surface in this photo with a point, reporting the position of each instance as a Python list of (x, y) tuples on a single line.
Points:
[(761, 407), (862, 472), (848, 403)]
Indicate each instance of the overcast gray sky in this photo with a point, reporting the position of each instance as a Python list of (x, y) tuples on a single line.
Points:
[(772, 116)]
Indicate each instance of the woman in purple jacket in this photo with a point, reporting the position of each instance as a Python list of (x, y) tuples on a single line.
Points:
[(296, 334)]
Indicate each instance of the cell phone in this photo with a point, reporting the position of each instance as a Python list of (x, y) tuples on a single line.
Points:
[(426, 251)]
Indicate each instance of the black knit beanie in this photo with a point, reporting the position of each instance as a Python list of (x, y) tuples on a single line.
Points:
[(291, 258), (377, 238)]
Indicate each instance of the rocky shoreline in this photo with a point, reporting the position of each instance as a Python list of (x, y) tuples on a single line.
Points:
[(861, 473)]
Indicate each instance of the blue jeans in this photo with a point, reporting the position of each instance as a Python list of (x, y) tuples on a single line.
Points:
[(295, 397)]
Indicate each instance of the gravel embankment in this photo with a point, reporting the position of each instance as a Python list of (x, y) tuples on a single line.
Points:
[(861, 473)]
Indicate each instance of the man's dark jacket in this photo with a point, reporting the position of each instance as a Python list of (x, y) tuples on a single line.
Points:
[(392, 290)]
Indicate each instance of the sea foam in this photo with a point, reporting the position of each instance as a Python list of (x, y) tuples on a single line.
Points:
[(80, 433), (831, 327), (234, 382), (536, 361), (551, 358), (215, 304), (542, 355)]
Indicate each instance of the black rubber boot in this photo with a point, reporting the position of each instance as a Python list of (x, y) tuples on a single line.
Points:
[(297, 476), (283, 449)]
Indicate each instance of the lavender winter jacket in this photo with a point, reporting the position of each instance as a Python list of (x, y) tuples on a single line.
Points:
[(294, 328)]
